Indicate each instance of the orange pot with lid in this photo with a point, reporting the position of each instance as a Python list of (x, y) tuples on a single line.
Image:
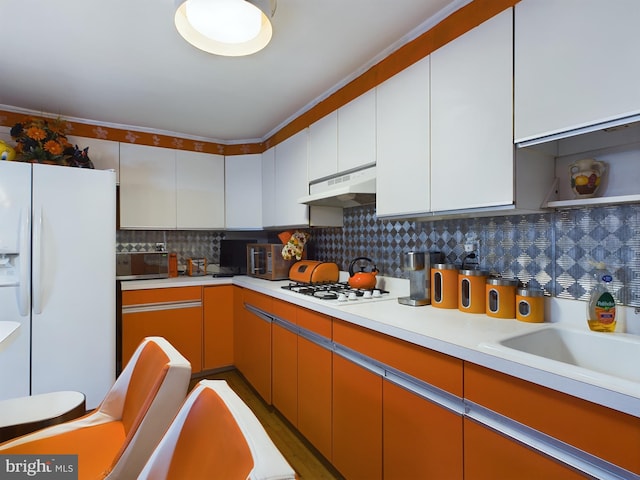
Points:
[(501, 297), (471, 291), (444, 285)]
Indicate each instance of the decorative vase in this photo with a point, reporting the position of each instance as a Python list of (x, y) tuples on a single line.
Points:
[(586, 177)]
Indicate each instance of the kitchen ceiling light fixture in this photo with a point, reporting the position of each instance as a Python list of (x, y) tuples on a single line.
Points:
[(230, 28)]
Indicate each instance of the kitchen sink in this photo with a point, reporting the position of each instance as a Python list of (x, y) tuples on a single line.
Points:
[(607, 358)]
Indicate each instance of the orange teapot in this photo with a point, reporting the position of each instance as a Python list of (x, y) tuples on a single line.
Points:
[(362, 280)]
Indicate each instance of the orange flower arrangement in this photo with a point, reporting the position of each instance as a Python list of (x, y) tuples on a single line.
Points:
[(39, 140)]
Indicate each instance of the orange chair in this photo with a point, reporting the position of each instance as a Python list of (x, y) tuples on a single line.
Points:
[(115, 440), (216, 436)]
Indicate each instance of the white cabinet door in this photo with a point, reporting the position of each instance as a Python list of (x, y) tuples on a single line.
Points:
[(199, 190), (291, 181), (147, 187), (243, 192), (323, 147), (402, 183), (575, 64), (357, 132), (105, 154), (472, 159), (269, 188)]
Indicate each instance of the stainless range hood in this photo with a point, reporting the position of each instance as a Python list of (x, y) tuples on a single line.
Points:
[(348, 189)]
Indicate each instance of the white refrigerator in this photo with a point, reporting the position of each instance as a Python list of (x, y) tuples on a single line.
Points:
[(57, 279)]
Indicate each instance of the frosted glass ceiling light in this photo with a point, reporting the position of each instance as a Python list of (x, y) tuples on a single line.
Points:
[(226, 27)]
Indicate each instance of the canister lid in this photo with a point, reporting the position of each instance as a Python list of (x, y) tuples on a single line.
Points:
[(504, 282), (444, 266), (530, 292), (473, 273)]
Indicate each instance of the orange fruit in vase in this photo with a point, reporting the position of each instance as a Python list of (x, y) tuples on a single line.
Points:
[(582, 180)]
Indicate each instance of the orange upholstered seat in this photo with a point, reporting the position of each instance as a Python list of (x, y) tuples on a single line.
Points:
[(216, 436), (116, 439)]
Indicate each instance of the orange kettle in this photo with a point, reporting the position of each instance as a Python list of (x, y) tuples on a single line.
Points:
[(363, 280)]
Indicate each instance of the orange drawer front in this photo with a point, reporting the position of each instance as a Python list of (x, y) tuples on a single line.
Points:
[(161, 295)]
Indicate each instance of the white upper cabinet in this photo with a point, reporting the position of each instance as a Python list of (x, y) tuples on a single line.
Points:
[(323, 147), (243, 189), (357, 132), (199, 190), (575, 64), (403, 183), (147, 187), (269, 187), (343, 140), (472, 157), (104, 154), (168, 189), (291, 181)]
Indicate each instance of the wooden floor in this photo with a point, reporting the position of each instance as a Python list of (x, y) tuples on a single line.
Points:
[(302, 457)]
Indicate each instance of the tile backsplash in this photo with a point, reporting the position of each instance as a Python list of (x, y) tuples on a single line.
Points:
[(554, 251)]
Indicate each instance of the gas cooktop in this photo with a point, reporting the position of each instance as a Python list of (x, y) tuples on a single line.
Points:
[(339, 292)]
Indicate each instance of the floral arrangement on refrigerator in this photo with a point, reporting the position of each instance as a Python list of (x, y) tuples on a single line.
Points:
[(40, 140)]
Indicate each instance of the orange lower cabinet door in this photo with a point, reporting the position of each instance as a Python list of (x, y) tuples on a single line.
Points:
[(357, 421), (257, 350), (285, 372), (421, 439), (252, 341), (218, 327), (182, 327), (314, 395), (491, 456)]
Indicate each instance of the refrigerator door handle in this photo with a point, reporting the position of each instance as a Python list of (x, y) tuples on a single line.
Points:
[(24, 259), (36, 281)]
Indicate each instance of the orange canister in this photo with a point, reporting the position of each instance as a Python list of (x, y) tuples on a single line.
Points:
[(530, 305), (501, 297), (173, 265), (472, 291), (444, 285)]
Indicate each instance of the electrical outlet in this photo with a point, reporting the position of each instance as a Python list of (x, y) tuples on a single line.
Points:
[(471, 243), (161, 247), (472, 246)]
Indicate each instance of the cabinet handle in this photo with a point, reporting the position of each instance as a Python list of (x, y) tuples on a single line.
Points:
[(255, 257)]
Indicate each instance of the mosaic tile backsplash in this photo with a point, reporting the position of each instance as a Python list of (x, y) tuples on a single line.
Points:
[(554, 251)]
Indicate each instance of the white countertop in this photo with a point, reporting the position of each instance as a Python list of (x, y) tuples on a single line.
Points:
[(451, 332)]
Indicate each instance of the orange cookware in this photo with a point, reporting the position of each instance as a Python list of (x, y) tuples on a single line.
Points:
[(362, 279), (312, 271)]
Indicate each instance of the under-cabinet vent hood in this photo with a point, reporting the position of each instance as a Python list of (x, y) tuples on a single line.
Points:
[(344, 190)]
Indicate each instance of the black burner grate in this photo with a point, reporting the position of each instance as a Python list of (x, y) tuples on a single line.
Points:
[(328, 291)]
